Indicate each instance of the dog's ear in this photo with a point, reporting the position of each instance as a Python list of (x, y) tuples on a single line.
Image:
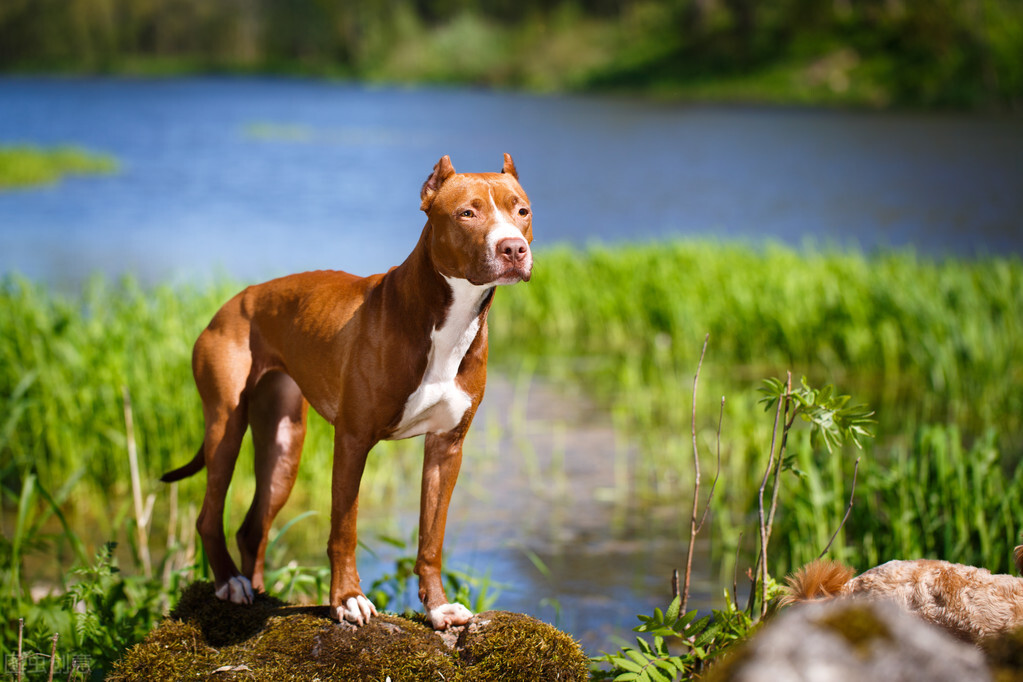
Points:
[(441, 172), (509, 167)]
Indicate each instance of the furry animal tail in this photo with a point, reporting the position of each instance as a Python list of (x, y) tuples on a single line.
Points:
[(1017, 558), (194, 466), (819, 579)]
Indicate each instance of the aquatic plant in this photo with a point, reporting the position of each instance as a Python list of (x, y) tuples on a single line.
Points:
[(25, 166)]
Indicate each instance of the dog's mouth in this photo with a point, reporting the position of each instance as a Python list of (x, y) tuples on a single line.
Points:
[(513, 275), (510, 275)]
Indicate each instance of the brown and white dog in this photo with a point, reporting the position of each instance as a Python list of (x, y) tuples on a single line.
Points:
[(384, 357), (970, 603)]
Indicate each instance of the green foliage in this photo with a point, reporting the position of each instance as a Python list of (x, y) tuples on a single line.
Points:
[(914, 52), (29, 166), (111, 612), (833, 421), (697, 641)]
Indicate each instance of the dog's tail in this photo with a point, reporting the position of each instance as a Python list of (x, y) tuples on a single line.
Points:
[(819, 579), (197, 463), (1017, 558)]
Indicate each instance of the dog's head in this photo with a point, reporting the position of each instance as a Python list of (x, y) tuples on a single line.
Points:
[(481, 224)]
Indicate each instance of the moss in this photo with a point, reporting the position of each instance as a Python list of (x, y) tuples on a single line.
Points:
[(174, 650), (1004, 654), (511, 646), (223, 622), (858, 624), (205, 638)]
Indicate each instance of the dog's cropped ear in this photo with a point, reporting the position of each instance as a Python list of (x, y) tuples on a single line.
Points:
[(441, 172), (509, 167)]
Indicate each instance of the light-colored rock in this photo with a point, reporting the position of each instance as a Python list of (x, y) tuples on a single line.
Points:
[(845, 640)]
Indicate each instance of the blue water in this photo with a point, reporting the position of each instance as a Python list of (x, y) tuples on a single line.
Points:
[(259, 177), (255, 178)]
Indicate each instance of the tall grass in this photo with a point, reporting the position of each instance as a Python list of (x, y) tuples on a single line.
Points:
[(929, 344)]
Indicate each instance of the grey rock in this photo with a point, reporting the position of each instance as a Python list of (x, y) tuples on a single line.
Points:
[(845, 640)]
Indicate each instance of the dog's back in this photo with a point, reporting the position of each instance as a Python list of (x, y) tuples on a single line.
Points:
[(969, 602)]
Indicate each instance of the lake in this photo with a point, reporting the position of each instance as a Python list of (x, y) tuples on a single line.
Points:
[(254, 178)]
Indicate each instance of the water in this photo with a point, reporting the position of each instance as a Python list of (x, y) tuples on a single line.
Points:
[(264, 177), (255, 178)]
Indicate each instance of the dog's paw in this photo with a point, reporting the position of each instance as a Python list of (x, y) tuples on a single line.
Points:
[(357, 610), (448, 615), (237, 590)]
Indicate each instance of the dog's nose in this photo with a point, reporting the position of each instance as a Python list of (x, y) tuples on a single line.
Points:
[(514, 250)]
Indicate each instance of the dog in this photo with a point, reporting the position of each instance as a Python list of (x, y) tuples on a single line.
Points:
[(970, 603), (384, 357)]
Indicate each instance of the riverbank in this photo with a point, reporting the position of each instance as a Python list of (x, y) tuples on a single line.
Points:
[(949, 55)]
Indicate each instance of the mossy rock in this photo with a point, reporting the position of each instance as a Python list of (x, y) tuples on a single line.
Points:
[(1004, 654), (498, 645), (206, 639)]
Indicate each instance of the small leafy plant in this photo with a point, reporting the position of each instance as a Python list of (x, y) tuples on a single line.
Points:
[(683, 644), (700, 640)]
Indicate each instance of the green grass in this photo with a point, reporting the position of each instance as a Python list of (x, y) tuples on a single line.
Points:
[(25, 166), (929, 344)]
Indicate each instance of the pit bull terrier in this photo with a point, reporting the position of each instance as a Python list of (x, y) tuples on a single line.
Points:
[(383, 357)]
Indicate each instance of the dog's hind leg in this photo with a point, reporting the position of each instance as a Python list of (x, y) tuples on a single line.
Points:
[(221, 374), (277, 415)]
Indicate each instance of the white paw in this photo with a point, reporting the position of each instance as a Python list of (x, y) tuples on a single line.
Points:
[(237, 590), (356, 610), (447, 615)]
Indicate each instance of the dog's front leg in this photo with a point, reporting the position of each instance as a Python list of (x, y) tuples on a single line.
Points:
[(347, 601), (443, 458)]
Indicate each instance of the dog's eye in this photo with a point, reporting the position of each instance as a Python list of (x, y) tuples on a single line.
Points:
[(523, 212), (466, 214)]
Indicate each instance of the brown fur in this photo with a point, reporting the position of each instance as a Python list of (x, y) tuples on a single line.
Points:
[(970, 603)]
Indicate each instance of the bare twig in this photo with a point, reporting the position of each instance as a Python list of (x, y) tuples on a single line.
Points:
[(848, 509), (762, 558), (717, 472), (21, 638), (53, 655), (787, 420), (735, 574), (693, 528), (674, 585), (142, 515)]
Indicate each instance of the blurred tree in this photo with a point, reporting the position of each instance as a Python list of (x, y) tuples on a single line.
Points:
[(917, 52)]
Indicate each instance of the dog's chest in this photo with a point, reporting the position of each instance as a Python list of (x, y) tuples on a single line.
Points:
[(438, 404)]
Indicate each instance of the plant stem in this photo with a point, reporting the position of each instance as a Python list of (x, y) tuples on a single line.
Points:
[(53, 655), (21, 637), (848, 509), (694, 528), (141, 517), (762, 559)]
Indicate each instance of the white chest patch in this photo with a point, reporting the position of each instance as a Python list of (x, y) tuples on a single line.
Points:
[(438, 403)]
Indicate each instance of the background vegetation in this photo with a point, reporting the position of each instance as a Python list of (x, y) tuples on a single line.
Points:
[(963, 53), (930, 345)]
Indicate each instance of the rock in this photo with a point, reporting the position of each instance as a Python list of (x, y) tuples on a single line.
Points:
[(845, 640), (205, 638)]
